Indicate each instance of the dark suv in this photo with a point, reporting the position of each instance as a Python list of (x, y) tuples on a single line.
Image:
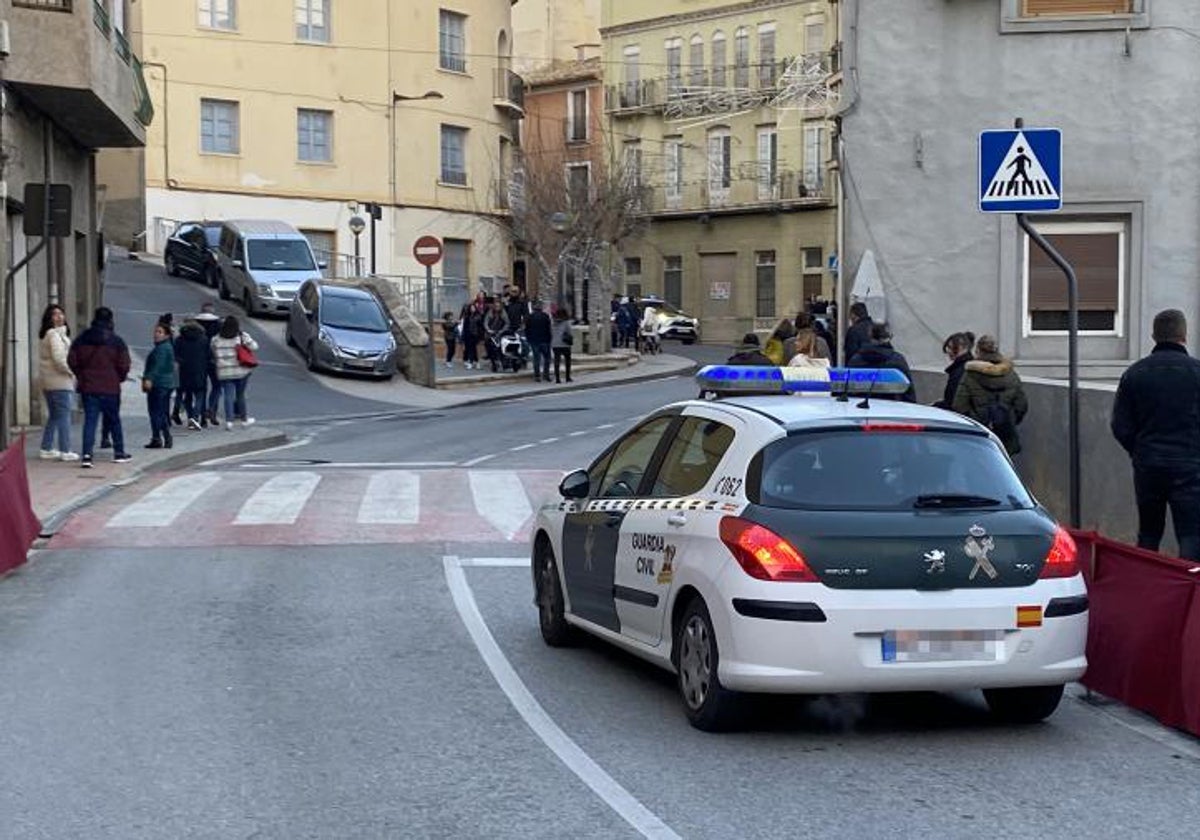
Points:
[(190, 251)]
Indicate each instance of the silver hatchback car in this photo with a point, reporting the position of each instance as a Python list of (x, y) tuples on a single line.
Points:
[(340, 327)]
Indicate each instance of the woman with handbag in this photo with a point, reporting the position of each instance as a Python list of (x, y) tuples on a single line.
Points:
[(158, 381), (233, 352), (561, 339)]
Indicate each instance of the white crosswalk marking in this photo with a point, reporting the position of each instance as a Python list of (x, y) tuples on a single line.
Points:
[(279, 500), (162, 505), (500, 499), (392, 498)]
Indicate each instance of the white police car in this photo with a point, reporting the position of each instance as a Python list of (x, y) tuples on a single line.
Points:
[(814, 545)]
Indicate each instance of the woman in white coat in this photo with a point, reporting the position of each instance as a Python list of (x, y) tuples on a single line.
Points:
[(58, 384)]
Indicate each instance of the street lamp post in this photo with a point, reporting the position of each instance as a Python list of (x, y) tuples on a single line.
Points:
[(357, 226)]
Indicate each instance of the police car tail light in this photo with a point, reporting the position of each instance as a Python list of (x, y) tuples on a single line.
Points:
[(762, 553), (1063, 559)]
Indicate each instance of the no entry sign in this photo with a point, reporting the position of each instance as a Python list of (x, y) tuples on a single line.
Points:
[(428, 250)]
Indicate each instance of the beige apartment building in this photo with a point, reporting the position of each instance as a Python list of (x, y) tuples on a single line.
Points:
[(314, 111), (547, 32), (727, 108), (72, 85)]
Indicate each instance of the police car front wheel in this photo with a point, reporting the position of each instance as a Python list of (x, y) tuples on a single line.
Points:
[(1023, 705), (709, 705), (556, 632)]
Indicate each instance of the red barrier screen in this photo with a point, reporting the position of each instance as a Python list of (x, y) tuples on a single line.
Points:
[(18, 526), (1143, 629)]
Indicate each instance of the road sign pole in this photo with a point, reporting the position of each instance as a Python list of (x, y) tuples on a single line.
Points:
[(1072, 361), (431, 368)]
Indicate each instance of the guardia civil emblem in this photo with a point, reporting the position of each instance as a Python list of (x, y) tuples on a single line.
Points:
[(977, 547)]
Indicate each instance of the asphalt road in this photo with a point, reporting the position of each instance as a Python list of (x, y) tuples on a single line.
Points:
[(317, 688)]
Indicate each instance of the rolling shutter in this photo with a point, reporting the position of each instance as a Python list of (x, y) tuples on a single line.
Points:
[(1095, 258), (1067, 8)]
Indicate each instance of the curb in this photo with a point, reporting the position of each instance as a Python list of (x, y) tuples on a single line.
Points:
[(52, 521)]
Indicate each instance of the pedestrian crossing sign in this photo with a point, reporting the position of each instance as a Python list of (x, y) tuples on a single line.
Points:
[(1020, 170)]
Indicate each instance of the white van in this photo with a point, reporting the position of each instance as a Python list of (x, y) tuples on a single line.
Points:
[(262, 264)]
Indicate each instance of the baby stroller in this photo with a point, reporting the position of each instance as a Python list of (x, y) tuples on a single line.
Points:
[(648, 341), (514, 351)]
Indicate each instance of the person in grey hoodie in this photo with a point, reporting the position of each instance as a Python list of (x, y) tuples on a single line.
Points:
[(561, 339)]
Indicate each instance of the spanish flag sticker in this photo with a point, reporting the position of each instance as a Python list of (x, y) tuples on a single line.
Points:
[(1029, 616)]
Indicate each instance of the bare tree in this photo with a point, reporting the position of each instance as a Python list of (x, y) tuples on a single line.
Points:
[(570, 210)]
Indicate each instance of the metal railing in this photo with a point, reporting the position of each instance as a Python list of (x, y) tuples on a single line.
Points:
[(143, 106), (48, 5), (100, 16), (449, 294), (122, 46), (508, 88), (339, 265)]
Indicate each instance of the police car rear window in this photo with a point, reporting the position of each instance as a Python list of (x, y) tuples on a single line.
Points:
[(855, 470)]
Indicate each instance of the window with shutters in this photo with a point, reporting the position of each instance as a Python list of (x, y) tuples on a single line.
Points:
[(814, 34), (577, 116), (579, 183), (696, 61), (631, 87), (218, 127), (673, 180), (741, 58), (718, 59), (764, 284), (768, 163), (674, 48), (720, 164), (631, 161), (1097, 251), (452, 41), (454, 155), (456, 259), (1073, 15), (766, 55), (673, 280), (814, 159)]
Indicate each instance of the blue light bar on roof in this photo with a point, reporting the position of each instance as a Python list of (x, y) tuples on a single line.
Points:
[(745, 379)]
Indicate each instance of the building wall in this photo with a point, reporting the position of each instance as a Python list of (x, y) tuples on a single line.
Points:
[(548, 31), (930, 76), (383, 152), (788, 217)]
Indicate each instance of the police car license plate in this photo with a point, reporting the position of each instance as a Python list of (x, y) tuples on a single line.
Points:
[(942, 645)]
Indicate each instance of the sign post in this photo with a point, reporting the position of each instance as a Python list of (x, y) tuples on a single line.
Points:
[(428, 252), (1020, 171)]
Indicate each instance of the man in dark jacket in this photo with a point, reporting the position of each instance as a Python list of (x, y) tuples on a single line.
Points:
[(749, 352), (538, 334), (517, 309), (100, 361), (879, 353), (858, 335), (193, 352), (1156, 418), (210, 322)]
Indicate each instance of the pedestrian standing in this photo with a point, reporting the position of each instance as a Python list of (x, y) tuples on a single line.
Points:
[(193, 355), (859, 334), (168, 320), (471, 322), (158, 381), (210, 322), (991, 393), (58, 384), (810, 334), (449, 336), (517, 309), (538, 332), (562, 336), (232, 371), (957, 348), (495, 324), (780, 342), (878, 353), (1156, 419), (100, 361)]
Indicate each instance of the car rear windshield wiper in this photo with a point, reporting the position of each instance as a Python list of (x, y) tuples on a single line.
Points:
[(953, 500)]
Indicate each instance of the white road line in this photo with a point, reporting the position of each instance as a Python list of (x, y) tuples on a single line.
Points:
[(522, 447), (606, 425), (578, 434), (500, 499), (279, 500), (392, 498), (548, 440), (569, 753), (479, 460), (164, 503), (304, 441), (493, 562)]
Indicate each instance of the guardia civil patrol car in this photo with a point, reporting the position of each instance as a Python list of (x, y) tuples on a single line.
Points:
[(770, 542)]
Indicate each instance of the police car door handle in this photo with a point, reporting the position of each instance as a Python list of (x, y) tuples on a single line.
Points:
[(677, 519)]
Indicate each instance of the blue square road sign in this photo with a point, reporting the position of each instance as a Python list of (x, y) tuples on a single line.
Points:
[(1020, 170)]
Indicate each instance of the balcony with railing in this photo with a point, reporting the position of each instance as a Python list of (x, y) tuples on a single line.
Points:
[(84, 75), (508, 92), (748, 190), (696, 92)]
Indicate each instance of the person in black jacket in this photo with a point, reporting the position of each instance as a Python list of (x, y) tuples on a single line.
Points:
[(879, 353), (210, 322), (859, 334), (538, 333), (1156, 419), (193, 353), (957, 348)]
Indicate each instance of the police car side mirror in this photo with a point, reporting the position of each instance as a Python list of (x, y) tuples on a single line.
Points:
[(574, 485)]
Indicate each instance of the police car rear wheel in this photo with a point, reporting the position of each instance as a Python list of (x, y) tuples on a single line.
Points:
[(556, 632), (709, 705), (1023, 705)]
